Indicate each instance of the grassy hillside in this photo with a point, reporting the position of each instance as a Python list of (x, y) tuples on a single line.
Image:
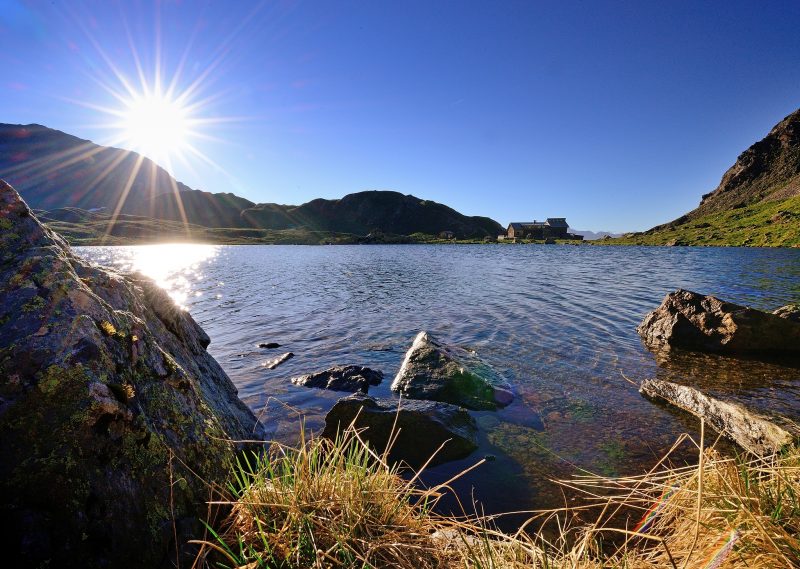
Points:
[(763, 224), (80, 227), (757, 202)]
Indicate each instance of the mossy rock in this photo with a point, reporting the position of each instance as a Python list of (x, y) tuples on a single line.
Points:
[(115, 421)]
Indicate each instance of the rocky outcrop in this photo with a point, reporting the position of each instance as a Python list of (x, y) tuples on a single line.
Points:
[(450, 374), (752, 432), (423, 427), (768, 170), (349, 378), (115, 422), (790, 312), (689, 320)]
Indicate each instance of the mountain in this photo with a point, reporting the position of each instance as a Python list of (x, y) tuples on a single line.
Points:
[(757, 202), (196, 207), (593, 235), (53, 170), (371, 211)]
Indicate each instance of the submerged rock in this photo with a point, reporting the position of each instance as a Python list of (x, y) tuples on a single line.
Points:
[(423, 427), (342, 378), (114, 419), (272, 364), (450, 374), (689, 320), (749, 430)]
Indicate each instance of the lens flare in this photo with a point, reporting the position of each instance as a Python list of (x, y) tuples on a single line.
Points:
[(156, 126)]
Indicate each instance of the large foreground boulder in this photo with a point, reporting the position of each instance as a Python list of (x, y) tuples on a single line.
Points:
[(115, 422), (689, 320), (349, 378), (423, 427), (749, 430), (450, 374)]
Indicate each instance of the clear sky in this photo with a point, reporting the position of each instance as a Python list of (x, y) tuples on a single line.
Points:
[(616, 115)]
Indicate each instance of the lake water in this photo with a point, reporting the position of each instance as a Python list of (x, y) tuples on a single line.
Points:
[(558, 321)]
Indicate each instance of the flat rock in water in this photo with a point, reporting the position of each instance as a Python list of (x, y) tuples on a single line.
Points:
[(272, 364), (749, 430), (689, 320), (342, 378), (108, 399), (423, 427), (450, 374)]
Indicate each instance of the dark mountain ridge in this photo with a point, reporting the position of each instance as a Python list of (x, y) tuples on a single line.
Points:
[(54, 170), (370, 211)]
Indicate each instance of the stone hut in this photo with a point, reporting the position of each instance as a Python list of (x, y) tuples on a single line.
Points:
[(552, 228)]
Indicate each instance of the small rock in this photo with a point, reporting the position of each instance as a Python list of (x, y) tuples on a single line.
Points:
[(342, 378), (689, 320), (269, 345), (450, 374), (752, 432), (790, 312), (421, 427), (272, 364)]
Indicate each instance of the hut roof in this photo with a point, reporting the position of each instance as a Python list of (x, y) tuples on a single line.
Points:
[(557, 222)]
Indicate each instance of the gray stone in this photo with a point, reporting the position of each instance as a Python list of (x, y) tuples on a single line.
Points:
[(450, 374), (349, 378), (275, 362), (114, 419), (423, 427), (751, 431), (790, 312), (689, 320)]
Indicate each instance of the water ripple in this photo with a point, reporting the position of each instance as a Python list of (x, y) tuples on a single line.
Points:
[(558, 321)]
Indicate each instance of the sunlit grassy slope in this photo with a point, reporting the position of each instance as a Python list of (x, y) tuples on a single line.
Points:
[(763, 224), (136, 230)]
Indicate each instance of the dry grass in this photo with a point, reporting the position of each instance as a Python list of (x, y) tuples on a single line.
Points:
[(338, 504), (724, 512)]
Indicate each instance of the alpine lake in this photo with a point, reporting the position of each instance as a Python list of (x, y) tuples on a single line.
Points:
[(559, 322)]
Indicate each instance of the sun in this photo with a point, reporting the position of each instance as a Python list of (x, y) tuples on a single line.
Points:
[(155, 125)]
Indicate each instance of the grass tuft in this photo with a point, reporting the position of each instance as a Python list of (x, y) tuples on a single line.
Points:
[(338, 503)]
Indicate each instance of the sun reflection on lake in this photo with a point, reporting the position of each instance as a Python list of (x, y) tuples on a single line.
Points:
[(174, 266)]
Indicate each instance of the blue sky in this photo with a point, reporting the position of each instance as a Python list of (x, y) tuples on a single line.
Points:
[(616, 115)]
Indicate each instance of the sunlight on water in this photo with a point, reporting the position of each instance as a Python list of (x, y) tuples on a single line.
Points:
[(176, 267), (558, 322)]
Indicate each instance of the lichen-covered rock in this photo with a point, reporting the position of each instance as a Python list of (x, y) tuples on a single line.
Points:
[(749, 430), (349, 378), (114, 419), (689, 320), (450, 374), (423, 427), (790, 312)]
